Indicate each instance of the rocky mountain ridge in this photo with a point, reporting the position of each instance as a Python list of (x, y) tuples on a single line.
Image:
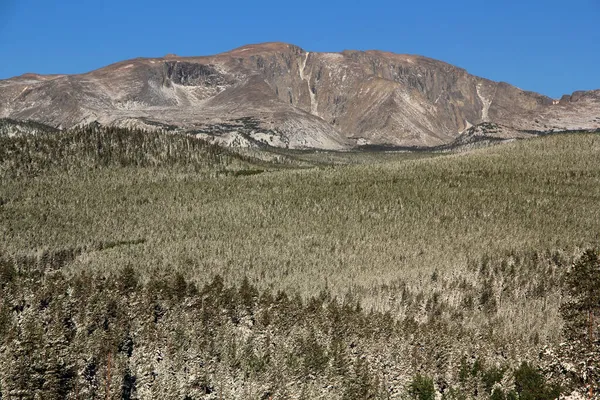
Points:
[(288, 97)]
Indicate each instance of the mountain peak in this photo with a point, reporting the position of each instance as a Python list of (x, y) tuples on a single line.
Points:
[(279, 94), (265, 47)]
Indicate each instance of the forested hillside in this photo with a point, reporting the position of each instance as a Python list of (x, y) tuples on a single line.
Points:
[(180, 272), (90, 335), (32, 151)]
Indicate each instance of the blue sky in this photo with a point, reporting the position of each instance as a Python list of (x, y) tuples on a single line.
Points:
[(547, 46)]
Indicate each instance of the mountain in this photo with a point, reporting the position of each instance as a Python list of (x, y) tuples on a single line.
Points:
[(282, 95)]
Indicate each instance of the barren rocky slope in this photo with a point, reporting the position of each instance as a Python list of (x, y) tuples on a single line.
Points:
[(282, 95)]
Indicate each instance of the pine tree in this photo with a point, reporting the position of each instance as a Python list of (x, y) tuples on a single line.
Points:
[(361, 384), (531, 385), (421, 388), (581, 314)]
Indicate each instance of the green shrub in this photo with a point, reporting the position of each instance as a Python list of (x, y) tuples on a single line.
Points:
[(421, 388), (498, 394), (7, 273), (128, 280), (531, 384), (315, 354), (492, 376)]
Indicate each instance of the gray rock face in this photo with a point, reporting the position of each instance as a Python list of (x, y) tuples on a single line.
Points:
[(300, 99)]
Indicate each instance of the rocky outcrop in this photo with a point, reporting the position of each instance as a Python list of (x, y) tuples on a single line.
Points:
[(304, 99)]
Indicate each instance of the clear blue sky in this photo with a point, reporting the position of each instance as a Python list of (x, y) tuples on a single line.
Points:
[(551, 47)]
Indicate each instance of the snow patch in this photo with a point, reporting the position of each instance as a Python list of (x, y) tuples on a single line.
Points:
[(229, 139), (268, 138), (332, 56), (408, 99), (486, 104), (130, 105), (313, 99), (467, 126), (23, 91)]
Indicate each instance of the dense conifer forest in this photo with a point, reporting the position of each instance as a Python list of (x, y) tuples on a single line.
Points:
[(141, 265)]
